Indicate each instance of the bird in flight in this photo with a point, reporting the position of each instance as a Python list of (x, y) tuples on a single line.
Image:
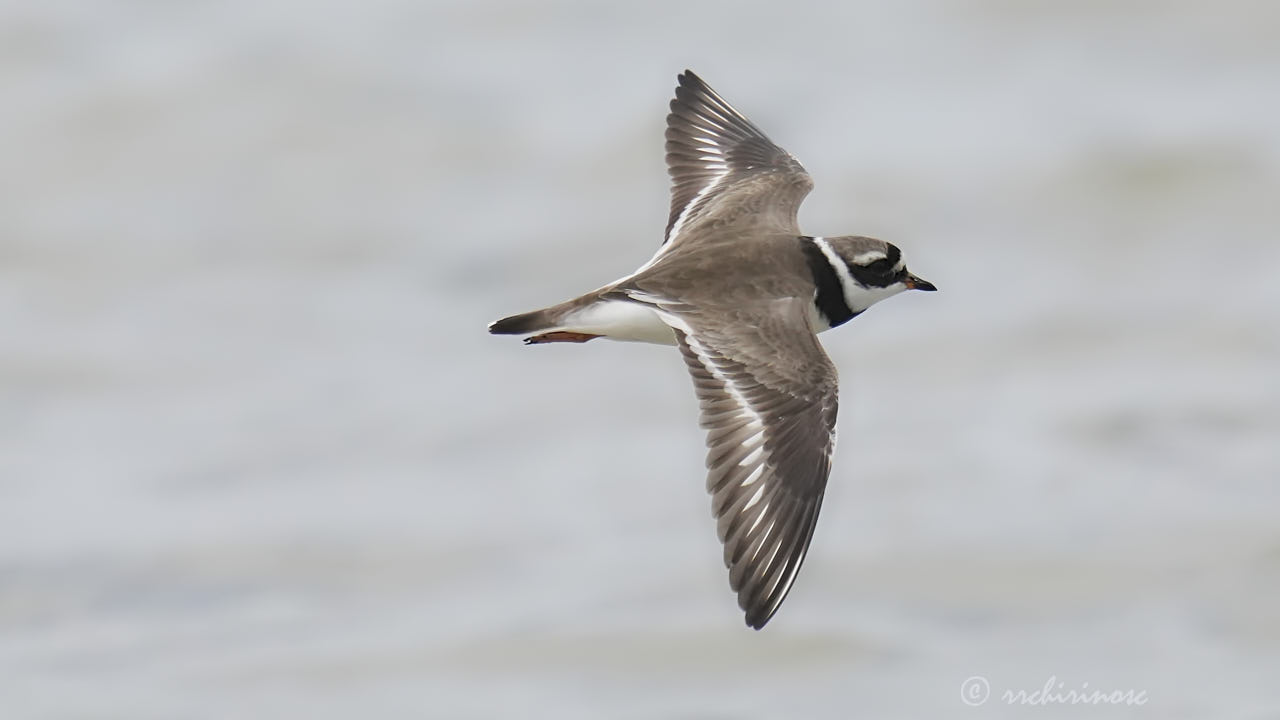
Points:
[(742, 293)]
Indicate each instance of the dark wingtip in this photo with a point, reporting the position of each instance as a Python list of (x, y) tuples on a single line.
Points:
[(689, 79), (759, 616)]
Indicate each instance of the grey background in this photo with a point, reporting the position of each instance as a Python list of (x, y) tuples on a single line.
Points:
[(259, 459)]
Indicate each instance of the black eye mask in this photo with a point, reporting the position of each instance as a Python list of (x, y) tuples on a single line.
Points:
[(877, 274)]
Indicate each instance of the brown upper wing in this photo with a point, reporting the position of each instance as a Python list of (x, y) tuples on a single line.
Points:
[(724, 168)]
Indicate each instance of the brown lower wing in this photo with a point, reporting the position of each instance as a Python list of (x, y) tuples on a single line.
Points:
[(767, 393)]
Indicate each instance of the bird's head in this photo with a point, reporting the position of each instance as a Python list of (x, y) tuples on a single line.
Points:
[(872, 271)]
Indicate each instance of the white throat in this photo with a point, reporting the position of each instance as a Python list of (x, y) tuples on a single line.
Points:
[(865, 297)]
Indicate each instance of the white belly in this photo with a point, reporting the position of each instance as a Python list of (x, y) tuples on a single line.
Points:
[(619, 320)]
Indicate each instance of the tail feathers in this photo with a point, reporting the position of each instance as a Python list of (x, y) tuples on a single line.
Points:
[(523, 323)]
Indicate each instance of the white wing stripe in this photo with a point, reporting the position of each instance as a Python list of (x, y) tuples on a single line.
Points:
[(756, 421), (760, 542), (684, 214)]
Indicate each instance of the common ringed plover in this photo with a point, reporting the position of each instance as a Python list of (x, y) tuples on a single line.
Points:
[(742, 293)]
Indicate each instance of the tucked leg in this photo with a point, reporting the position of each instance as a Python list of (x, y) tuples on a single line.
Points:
[(559, 336)]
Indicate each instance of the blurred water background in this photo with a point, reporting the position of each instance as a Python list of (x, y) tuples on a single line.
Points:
[(259, 458)]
